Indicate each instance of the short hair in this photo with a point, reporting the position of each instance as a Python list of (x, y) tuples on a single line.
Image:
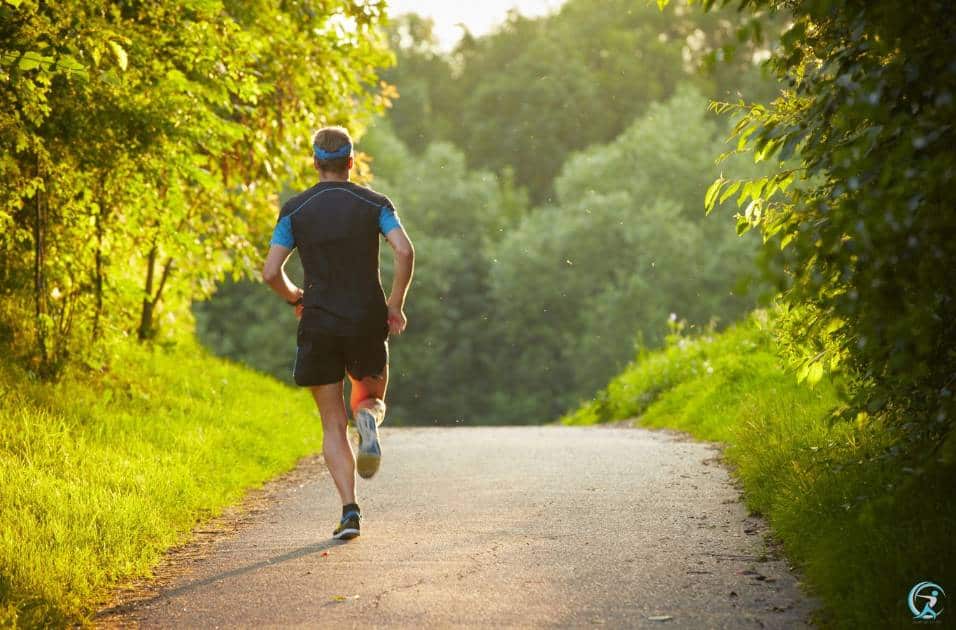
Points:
[(332, 139)]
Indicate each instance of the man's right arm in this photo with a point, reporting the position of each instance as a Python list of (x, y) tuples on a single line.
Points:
[(273, 271), (404, 270)]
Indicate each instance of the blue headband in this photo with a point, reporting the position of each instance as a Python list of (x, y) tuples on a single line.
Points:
[(343, 151)]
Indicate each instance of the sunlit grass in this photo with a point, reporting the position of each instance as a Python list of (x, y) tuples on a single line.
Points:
[(861, 526), (99, 474)]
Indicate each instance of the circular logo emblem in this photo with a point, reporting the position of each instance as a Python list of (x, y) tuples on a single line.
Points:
[(924, 601)]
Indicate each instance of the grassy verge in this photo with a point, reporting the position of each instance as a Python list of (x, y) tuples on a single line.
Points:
[(99, 474), (862, 526)]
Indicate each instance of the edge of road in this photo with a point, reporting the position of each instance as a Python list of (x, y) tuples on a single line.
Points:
[(126, 597)]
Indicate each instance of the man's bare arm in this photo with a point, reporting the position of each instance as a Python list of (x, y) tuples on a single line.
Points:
[(404, 270), (273, 273)]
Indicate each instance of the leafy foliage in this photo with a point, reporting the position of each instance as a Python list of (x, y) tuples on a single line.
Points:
[(861, 201), (143, 146)]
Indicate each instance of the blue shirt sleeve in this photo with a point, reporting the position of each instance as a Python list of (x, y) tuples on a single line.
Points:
[(282, 235), (388, 220)]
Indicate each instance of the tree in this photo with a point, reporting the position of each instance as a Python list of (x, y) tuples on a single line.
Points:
[(419, 117), (860, 203), (144, 145)]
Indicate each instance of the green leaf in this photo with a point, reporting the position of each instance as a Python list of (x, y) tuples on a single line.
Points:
[(834, 325), (743, 225), (744, 194), (70, 65), (784, 182), (802, 372), (120, 54), (711, 197), (32, 60), (815, 372), (790, 145), (765, 149), (734, 187), (745, 134), (752, 213)]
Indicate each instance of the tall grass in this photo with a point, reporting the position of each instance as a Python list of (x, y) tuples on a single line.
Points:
[(861, 524), (102, 472)]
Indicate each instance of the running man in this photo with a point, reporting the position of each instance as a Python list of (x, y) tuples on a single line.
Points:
[(344, 317)]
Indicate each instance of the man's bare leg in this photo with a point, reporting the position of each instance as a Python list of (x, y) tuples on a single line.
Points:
[(369, 392), (335, 444), (368, 411)]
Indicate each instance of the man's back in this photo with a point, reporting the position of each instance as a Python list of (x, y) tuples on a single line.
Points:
[(336, 226)]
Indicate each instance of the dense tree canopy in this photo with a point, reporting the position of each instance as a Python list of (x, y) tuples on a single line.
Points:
[(538, 89), (580, 284), (143, 147)]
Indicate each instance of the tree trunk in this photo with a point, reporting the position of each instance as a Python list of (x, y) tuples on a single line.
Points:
[(146, 318), (146, 330), (39, 279), (98, 279)]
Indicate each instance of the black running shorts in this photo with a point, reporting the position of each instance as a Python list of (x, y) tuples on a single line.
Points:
[(322, 358)]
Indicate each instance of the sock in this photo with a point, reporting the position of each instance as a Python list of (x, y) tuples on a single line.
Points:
[(350, 507)]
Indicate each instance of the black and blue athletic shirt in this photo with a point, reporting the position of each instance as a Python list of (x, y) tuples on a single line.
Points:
[(336, 227)]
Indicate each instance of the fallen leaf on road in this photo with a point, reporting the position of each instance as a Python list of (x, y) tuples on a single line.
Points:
[(343, 598), (660, 618)]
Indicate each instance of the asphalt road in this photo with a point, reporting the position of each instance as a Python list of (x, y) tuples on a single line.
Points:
[(496, 527)]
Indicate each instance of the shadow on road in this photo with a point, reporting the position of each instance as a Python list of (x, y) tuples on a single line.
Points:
[(129, 607)]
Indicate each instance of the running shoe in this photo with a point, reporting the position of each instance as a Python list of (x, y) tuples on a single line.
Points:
[(348, 527), (369, 451)]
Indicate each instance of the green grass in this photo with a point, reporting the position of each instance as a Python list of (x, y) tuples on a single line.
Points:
[(861, 525), (102, 472)]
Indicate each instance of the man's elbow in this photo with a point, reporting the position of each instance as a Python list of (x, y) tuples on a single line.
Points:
[(405, 251), (269, 274)]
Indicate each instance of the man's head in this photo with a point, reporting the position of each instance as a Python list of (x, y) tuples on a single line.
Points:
[(332, 147)]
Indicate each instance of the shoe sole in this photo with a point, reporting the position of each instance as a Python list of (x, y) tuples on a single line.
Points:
[(369, 452), (346, 534)]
